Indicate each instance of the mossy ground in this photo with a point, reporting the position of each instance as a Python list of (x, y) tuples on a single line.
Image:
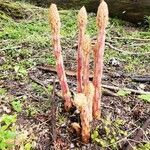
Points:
[(26, 42)]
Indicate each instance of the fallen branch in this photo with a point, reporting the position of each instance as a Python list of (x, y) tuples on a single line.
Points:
[(125, 89), (119, 50), (138, 135), (53, 69), (141, 78), (107, 92), (36, 80), (126, 38), (126, 52), (125, 138), (72, 73)]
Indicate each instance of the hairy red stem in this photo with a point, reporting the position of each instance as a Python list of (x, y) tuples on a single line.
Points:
[(102, 20), (97, 80), (55, 26), (85, 123), (82, 21), (86, 56), (87, 85)]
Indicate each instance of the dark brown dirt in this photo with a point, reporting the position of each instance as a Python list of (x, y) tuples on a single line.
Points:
[(130, 109)]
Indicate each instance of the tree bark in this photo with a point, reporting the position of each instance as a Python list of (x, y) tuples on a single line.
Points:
[(130, 10)]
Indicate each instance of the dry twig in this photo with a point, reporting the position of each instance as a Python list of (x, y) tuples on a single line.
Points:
[(127, 38), (125, 89), (126, 52)]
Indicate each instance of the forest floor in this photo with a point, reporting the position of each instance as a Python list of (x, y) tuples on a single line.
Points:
[(31, 112)]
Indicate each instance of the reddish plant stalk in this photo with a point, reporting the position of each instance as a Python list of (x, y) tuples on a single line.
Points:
[(54, 20), (82, 21), (86, 56), (90, 95), (87, 85), (102, 20), (85, 123)]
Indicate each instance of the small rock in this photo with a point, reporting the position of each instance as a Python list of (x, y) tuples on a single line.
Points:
[(84, 147), (6, 109), (72, 145), (77, 111), (141, 86), (114, 62), (2, 60), (63, 125), (118, 111), (116, 75), (1, 110)]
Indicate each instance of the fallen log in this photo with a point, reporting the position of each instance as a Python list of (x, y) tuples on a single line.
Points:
[(141, 79), (130, 10)]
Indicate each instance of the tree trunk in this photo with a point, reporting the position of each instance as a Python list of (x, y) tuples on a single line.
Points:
[(130, 10)]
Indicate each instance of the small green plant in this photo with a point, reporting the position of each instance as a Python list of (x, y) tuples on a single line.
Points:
[(25, 53), (49, 88), (8, 120), (61, 119), (31, 111), (37, 88), (145, 97), (10, 137), (148, 21), (123, 93), (7, 131), (17, 105), (20, 71), (143, 147), (28, 146), (95, 137), (107, 134), (50, 60), (2, 91)]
